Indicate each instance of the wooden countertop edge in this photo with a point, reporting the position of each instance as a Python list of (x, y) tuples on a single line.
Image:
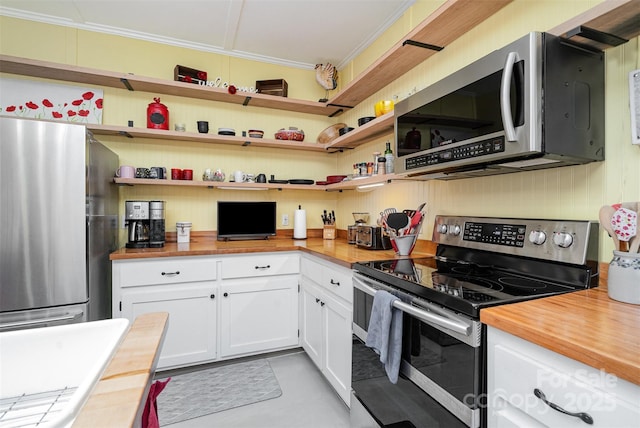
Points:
[(119, 397)]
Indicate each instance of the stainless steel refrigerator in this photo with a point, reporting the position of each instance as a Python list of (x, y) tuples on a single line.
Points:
[(58, 224)]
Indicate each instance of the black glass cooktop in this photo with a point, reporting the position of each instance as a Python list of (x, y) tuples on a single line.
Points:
[(465, 287)]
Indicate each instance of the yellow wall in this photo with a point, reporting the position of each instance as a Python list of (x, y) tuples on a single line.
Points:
[(571, 192)]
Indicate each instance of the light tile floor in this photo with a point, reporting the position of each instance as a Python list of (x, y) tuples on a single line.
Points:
[(307, 401)]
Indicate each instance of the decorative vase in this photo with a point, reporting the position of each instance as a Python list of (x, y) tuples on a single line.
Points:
[(624, 277)]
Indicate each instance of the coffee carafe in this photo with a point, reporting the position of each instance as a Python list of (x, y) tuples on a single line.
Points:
[(137, 222), (156, 224)]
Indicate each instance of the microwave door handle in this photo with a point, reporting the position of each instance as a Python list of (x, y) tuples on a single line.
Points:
[(505, 98), (427, 317)]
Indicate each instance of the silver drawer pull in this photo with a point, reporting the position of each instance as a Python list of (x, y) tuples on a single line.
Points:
[(263, 267), (585, 417), (336, 283), (171, 273)]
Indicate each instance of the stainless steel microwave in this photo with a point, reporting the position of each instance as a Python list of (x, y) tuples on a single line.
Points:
[(536, 103)]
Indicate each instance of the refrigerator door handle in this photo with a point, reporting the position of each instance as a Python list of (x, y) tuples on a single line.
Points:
[(66, 318)]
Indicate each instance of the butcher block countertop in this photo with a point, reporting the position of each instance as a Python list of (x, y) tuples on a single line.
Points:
[(119, 397), (586, 326)]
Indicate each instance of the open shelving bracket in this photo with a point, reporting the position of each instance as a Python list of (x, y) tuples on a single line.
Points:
[(422, 45), (126, 83), (596, 35)]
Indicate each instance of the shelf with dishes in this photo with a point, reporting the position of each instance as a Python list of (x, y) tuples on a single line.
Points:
[(159, 134), (350, 184), (382, 125)]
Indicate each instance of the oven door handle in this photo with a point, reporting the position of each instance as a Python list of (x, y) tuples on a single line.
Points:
[(458, 326)]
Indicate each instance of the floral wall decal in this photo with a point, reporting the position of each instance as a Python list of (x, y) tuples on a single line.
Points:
[(42, 100)]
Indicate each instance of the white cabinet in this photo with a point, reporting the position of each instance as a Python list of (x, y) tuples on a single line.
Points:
[(258, 303), (517, 369), (326, 318), (186, 288)]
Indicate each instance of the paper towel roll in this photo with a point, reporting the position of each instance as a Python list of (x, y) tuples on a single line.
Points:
[(300, 224)]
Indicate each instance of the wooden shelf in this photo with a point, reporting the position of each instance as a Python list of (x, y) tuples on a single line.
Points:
[(617, 18), (226, 185), (90, 76), (450, 21), (382, 125), (160, 134)]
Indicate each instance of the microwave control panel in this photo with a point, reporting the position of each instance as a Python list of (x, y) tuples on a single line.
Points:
[(471, 150)]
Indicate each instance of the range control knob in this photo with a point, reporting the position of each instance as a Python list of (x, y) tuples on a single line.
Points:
[(455, 230), (563, 239), (537, 237), (442, 228)]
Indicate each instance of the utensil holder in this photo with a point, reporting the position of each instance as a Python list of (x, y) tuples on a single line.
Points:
[(329, 232), (404, 244), (623, 282)]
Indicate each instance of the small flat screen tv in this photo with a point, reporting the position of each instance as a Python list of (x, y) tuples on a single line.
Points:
[(246, 220)]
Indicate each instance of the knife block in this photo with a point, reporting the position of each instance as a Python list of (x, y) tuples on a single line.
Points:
[(329, 231)]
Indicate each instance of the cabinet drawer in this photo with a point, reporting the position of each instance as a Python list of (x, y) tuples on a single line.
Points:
[(330, 276), (574, 391), (165, 271), (256, 265)]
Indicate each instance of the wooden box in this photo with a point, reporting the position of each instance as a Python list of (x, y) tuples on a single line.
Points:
[(189, 75), (277, 87)]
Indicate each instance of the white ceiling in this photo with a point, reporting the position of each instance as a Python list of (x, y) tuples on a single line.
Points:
[(297, 33)]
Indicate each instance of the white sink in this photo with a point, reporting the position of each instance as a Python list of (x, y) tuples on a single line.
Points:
[(47, 374)]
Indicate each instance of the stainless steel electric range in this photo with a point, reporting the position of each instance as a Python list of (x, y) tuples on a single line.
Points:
[(479, 262)]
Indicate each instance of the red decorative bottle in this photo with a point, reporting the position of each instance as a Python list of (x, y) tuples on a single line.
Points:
[(157, 115)]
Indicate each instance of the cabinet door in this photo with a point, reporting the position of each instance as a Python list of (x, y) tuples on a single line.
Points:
[(337, 349), (191, 332), (311, 329), (258, 314)]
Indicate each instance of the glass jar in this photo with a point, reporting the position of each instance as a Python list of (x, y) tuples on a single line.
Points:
[(623, 281)]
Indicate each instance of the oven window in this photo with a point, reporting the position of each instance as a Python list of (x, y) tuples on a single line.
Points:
[(434, 356), (469, 112), (403, 405)]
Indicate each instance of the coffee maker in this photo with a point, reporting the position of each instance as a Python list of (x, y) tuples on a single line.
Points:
[(145, 224), (156, 224)]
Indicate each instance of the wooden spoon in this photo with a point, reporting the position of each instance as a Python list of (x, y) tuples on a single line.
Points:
[(605, 215)]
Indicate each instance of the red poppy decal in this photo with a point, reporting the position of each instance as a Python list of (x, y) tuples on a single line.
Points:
[(11, 108), (99, 103), (83, 113), (202, 75), (77, 102), (187, 79), (87, 95), (71, 113), (47, 103), (56, 115), (32, 105)]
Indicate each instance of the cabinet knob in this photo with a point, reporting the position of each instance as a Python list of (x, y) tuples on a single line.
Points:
[(321, 303), (226, 294), (336, 283), (213, 296), (171, 273), (317, 300)]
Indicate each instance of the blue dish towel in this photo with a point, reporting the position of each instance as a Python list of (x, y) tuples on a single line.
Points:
[(385, 333)]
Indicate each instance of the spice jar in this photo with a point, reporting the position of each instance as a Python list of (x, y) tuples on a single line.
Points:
[(382, 165)]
